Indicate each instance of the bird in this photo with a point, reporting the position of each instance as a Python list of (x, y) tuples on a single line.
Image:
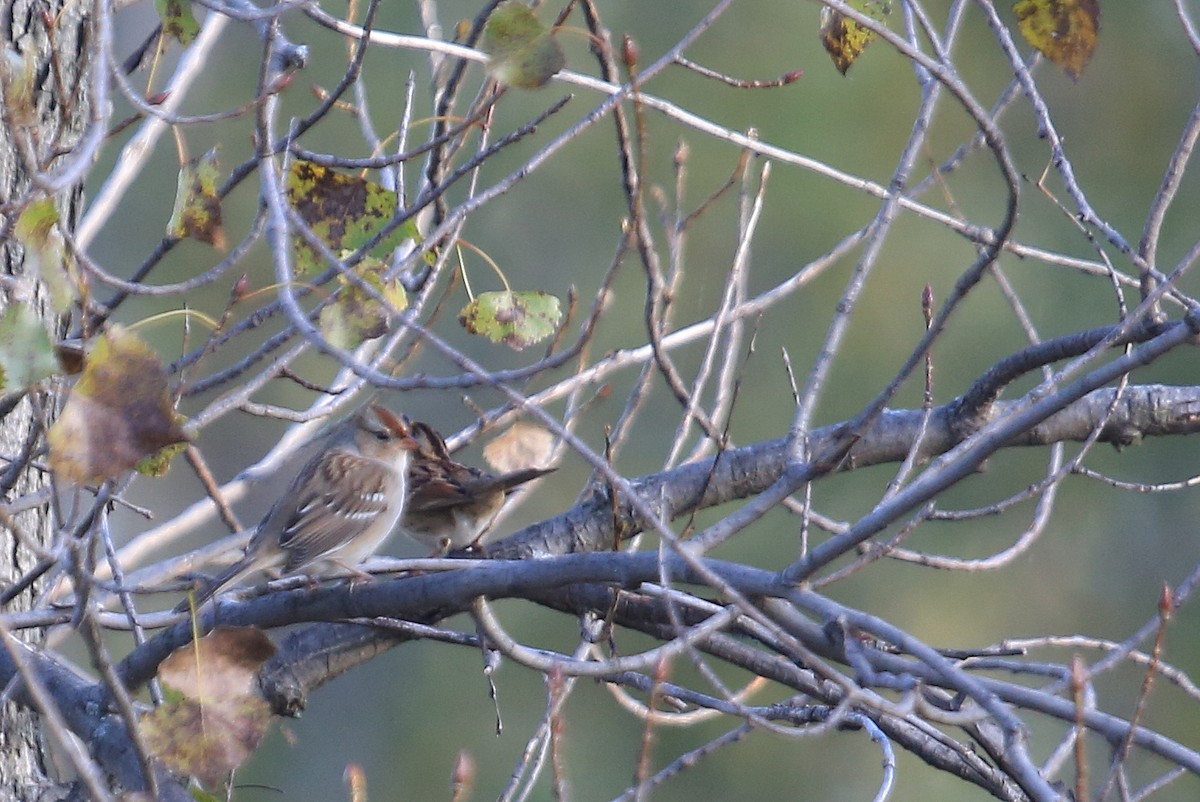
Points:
[(339, 509), (451, 505)]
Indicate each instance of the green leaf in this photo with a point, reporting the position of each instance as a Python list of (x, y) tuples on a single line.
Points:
[(177, 19), (521, 52), (197, 212), (36, 223), (517, 319), (26, 353), (200, 795), (46, 254), (346, 212), (158, 465), (356, 315)]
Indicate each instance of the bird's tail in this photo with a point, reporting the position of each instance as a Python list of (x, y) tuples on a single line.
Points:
[(229, 575), (509, 481)]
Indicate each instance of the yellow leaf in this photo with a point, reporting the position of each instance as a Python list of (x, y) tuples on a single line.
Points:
[(197, 212), (1064, 31), (843, 38), (345, 211)]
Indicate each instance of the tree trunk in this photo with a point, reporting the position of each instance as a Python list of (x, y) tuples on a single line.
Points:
[(55, 34)]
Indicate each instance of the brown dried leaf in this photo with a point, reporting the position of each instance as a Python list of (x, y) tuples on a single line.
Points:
[(215, 716), (230, 658), (523, 446), (118, 413)]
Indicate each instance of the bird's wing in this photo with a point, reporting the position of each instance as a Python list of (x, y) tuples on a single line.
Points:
[(343, 497)]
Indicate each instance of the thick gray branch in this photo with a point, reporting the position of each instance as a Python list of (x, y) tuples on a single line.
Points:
[(1143, 411)]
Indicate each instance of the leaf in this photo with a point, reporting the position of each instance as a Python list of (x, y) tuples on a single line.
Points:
[(118, 413), (177, 19), (26, 354), (197, 212), (523, 446), (355, 315), (215, 716), (71, 356), (46, 254), (521, 52), (19, 70), (158, 464), (517, 319), (1064, 31), (843, 38), (346, 212)]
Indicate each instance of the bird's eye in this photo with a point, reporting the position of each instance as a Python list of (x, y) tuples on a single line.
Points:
[(381, 435)]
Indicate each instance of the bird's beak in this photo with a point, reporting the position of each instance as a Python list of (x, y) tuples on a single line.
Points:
[(398, 426)]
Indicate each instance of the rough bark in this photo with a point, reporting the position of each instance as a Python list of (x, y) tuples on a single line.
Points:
[(55, 32)]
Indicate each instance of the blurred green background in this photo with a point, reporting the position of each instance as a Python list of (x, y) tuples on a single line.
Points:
[(1097, 570)]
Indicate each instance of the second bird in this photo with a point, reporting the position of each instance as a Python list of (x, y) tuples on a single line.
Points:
[(450, 505)]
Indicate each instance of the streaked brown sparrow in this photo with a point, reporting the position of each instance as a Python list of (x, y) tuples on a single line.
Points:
[(340, 508), (451, 505)]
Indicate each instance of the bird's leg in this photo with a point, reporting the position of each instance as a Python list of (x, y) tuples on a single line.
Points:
[(357, 576)]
